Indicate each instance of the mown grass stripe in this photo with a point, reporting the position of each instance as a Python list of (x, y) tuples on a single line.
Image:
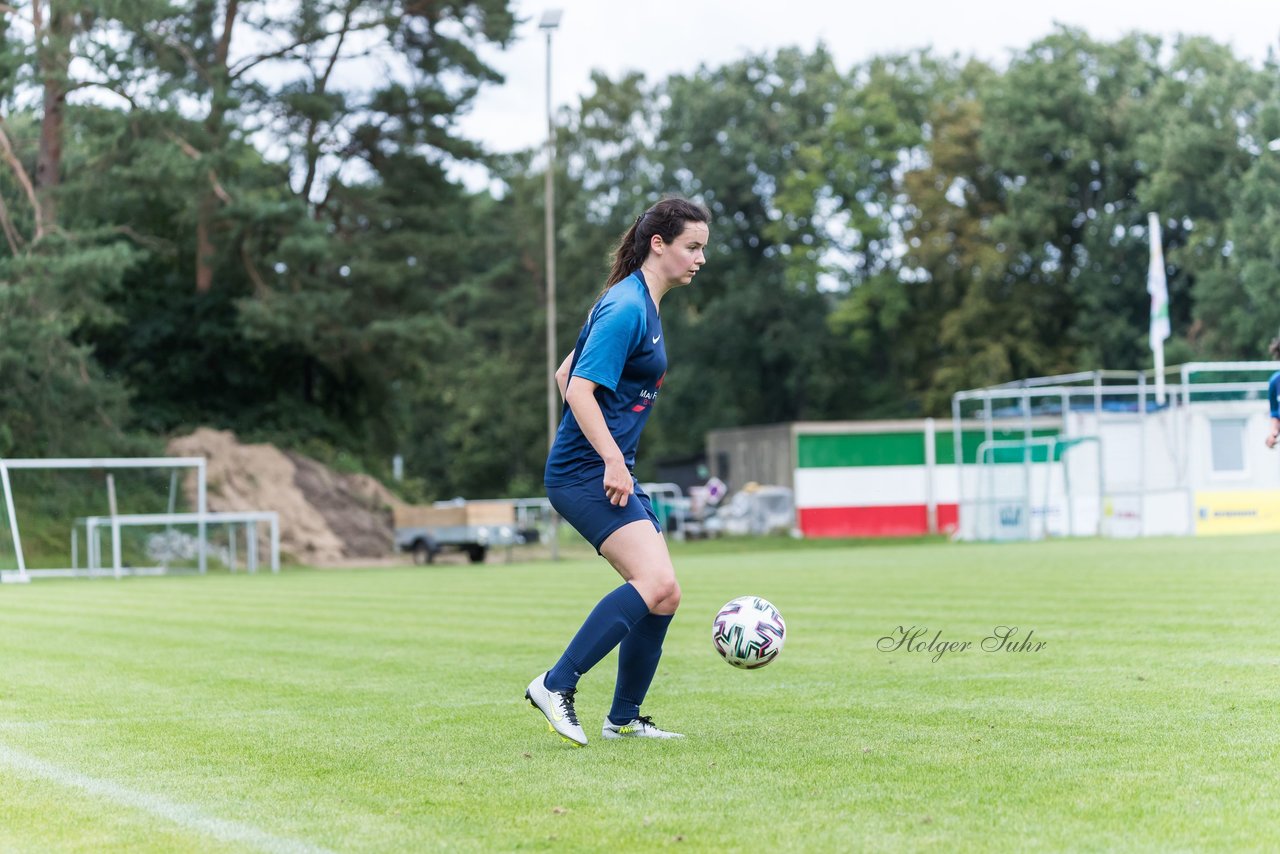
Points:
[(187, 817)]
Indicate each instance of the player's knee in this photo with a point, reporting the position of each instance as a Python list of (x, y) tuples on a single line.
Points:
[(673, 598), (666, 594), (667, 607), (657, 591)]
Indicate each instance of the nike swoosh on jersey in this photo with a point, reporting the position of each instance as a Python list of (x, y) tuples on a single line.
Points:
[(655, 340)]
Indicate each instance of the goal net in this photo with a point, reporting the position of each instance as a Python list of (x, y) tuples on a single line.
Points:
[(1029, 489)]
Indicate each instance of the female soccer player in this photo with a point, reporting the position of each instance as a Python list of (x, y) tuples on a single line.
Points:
[(610, 383)]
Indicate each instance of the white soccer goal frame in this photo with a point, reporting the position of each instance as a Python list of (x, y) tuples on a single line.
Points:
[(989, 505), (201, 516), (248, 518)]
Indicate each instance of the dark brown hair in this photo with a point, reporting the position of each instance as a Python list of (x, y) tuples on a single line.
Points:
[(667, 218), (1274, 348)]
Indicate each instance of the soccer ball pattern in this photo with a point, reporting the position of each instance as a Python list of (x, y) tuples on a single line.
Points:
[(748, 632)]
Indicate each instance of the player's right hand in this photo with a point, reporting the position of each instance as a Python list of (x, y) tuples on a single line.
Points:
[(618, 484)]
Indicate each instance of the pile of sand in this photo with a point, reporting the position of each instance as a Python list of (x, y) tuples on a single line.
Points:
[(325, 517)]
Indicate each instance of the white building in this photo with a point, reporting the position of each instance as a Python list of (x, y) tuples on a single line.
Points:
[(1090, 454), (1125, 462)]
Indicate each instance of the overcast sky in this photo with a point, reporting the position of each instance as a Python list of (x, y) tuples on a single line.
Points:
[(667, 37)]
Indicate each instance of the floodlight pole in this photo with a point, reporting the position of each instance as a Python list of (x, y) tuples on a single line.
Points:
[(550, 21)]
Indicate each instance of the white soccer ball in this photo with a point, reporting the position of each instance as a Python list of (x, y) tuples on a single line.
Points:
[(748, 632)]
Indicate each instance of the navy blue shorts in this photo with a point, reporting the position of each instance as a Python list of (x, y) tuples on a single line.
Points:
[(585, 506)]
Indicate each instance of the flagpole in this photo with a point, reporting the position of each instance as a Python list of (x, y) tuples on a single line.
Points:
[(1158, 287), (1159, 354)]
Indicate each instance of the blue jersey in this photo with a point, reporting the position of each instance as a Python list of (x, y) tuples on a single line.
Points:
[(1273, 394), (620, 349)]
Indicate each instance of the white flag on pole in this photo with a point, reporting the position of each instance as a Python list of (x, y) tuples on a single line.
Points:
[(1158, 287)]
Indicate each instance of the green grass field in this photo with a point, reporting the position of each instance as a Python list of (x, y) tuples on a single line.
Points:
[(382, 710)]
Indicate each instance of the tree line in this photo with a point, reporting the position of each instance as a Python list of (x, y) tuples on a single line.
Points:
[(241, 214)]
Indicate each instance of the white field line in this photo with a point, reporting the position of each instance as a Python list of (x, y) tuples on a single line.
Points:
[(336, 711), (186, 817)]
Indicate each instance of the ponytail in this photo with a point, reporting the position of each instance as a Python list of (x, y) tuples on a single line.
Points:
[(667, 219), (626, 257)]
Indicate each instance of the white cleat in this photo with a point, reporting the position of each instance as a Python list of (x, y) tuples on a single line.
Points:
[(558, 707), (641, 727)]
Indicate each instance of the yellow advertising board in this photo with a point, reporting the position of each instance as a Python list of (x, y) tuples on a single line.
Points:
[(1247, 511)]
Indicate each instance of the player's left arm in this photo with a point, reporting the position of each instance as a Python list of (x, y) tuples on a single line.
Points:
[(562, 373), (1273, 398)]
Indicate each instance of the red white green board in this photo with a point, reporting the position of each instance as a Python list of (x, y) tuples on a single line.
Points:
[(863, 480)]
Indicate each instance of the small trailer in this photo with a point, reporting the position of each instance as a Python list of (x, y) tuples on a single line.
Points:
[(470, 527)]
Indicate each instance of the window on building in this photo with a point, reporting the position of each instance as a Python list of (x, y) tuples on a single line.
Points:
[(1226, 437)]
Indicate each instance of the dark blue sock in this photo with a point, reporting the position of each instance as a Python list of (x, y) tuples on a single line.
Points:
[(606, 625), (637, 662)]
